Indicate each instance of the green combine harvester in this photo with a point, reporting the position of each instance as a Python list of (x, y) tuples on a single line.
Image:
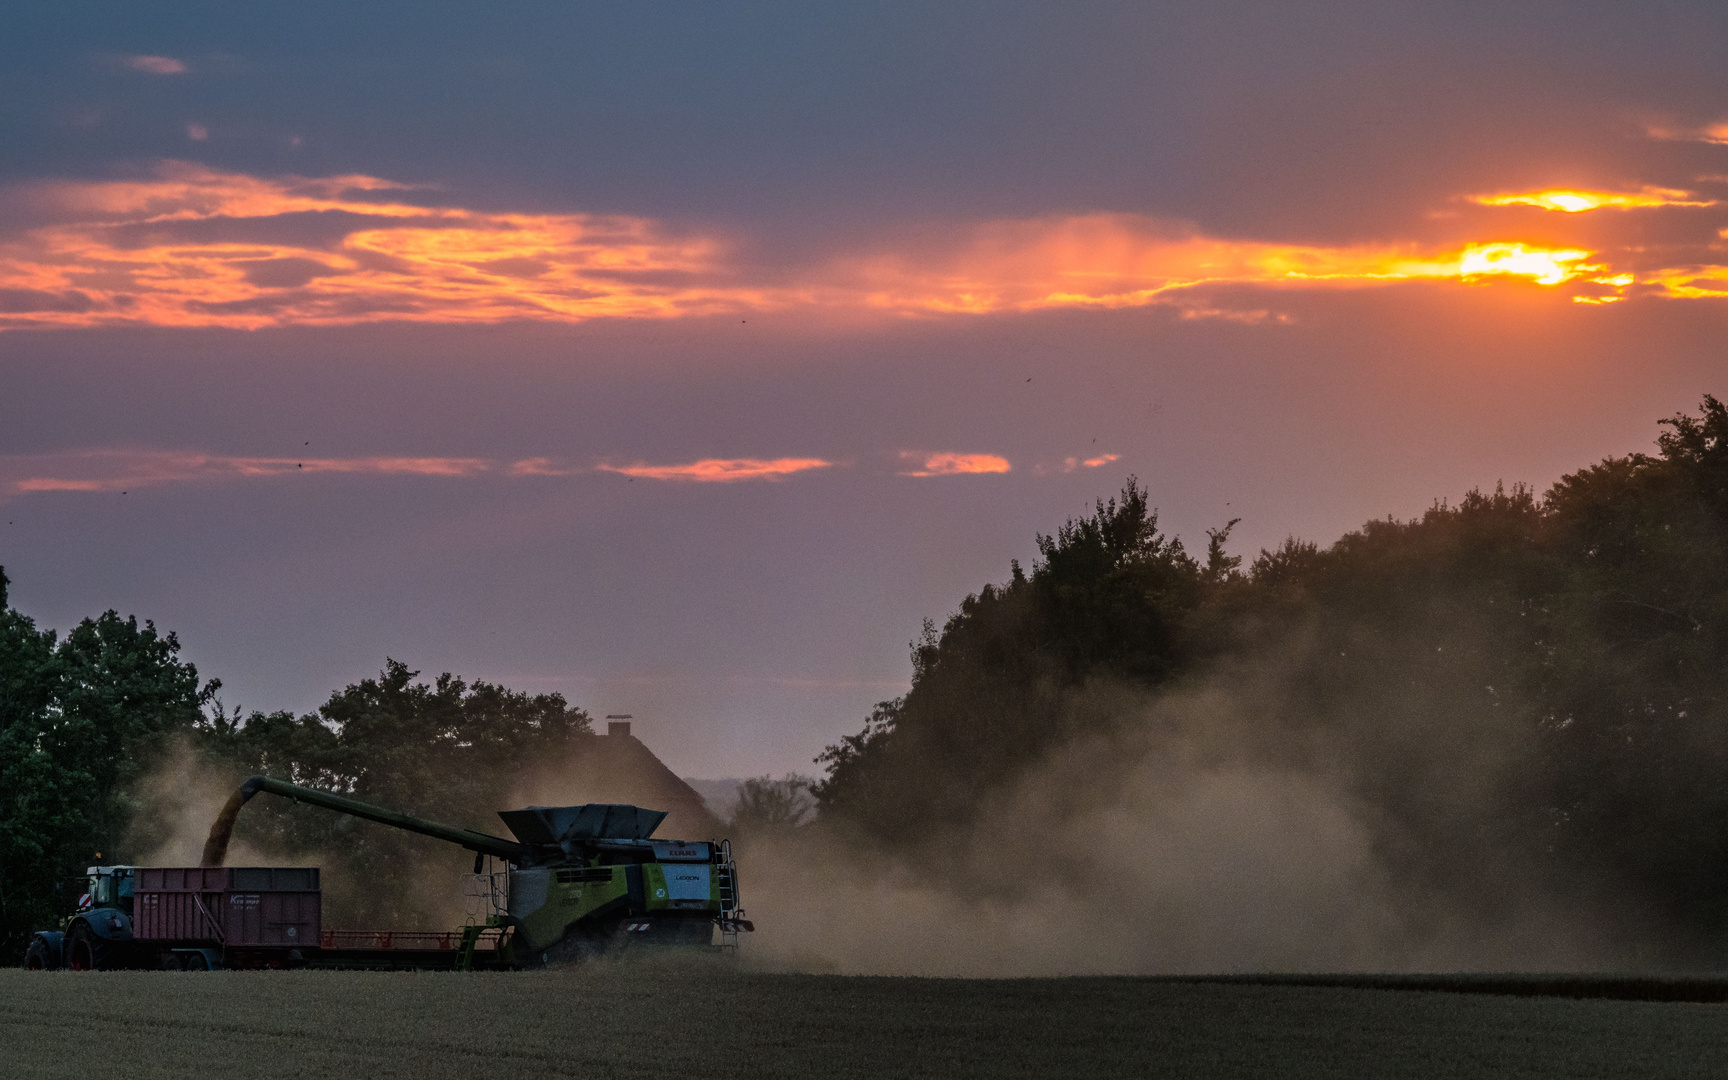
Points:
[(579, 880)]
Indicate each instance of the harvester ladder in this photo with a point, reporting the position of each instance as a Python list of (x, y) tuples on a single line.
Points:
[(465, 951), (727, 876), (726, 882)]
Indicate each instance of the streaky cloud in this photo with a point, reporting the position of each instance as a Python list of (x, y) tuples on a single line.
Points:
[(721, 470), (542, 466), (190, 246), (119, 253), (123, 469), (156, 65), (1581, 200), (951, 464)]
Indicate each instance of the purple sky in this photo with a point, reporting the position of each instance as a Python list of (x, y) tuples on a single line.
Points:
[(595, 348)]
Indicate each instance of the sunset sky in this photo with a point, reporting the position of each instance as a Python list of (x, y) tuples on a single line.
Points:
[(682, 357)]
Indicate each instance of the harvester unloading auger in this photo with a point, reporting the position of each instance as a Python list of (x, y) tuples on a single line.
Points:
[(580, 878)]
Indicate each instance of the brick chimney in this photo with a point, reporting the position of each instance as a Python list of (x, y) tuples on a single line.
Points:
[(618, 724)]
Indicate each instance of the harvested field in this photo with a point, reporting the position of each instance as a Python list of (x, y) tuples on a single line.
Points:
[(704, 1021)]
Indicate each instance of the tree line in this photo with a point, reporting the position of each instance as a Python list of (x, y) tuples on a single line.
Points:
[(1514, 686)]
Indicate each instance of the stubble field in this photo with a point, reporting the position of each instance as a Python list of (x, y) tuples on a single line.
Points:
[(695, 1021)]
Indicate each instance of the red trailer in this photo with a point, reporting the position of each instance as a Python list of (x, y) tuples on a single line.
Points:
[(252, 914)]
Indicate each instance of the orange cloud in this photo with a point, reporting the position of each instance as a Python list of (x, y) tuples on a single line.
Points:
[(722, 470), (1577, 201), (540, 466), (954, 464), (191, 246), (1690, 282), (194, 247), (1710, 133), (125, 469), (1117, 260), (1071, 464), (122, 470), (156, 65), (1546, 266)]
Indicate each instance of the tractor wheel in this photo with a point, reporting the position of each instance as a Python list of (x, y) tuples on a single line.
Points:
[(36, 957), (87, 952)]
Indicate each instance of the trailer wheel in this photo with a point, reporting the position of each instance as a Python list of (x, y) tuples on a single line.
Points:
[(197, 961)]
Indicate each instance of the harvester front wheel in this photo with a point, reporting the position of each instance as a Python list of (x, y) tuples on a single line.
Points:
[(578, 946), (36, 957)]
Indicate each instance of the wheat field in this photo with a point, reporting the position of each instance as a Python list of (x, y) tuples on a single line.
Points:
[(697, 1020)]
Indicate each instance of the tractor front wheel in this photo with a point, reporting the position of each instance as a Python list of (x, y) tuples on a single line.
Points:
[(87, 952)]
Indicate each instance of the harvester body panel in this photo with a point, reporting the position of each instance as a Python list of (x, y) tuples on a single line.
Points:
[(680, 887), (546, 902)]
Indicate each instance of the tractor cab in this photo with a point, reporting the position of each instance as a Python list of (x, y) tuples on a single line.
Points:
[(107, 887)]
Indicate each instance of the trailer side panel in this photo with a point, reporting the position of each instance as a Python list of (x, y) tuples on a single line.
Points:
[(232, 906)]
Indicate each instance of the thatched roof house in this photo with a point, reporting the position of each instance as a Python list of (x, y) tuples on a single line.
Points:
[(617, 767)]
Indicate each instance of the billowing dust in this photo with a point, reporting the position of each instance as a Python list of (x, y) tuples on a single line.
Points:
[(1197, 838), (617, 769), (1189, 843), (177, 803), (181, 804)]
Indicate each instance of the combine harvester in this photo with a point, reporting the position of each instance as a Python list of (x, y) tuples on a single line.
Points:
[(579, 880)]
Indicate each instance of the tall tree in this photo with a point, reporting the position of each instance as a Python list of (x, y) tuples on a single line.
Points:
[(80, 721), (1110, 596)]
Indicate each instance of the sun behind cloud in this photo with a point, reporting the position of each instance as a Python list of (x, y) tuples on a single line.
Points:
[(1544, 266), (1578, 201)]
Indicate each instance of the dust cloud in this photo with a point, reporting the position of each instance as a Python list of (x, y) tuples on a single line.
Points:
[(180, 799), (1225, 827), (616, 769), (1205, 834), (176, 803)]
